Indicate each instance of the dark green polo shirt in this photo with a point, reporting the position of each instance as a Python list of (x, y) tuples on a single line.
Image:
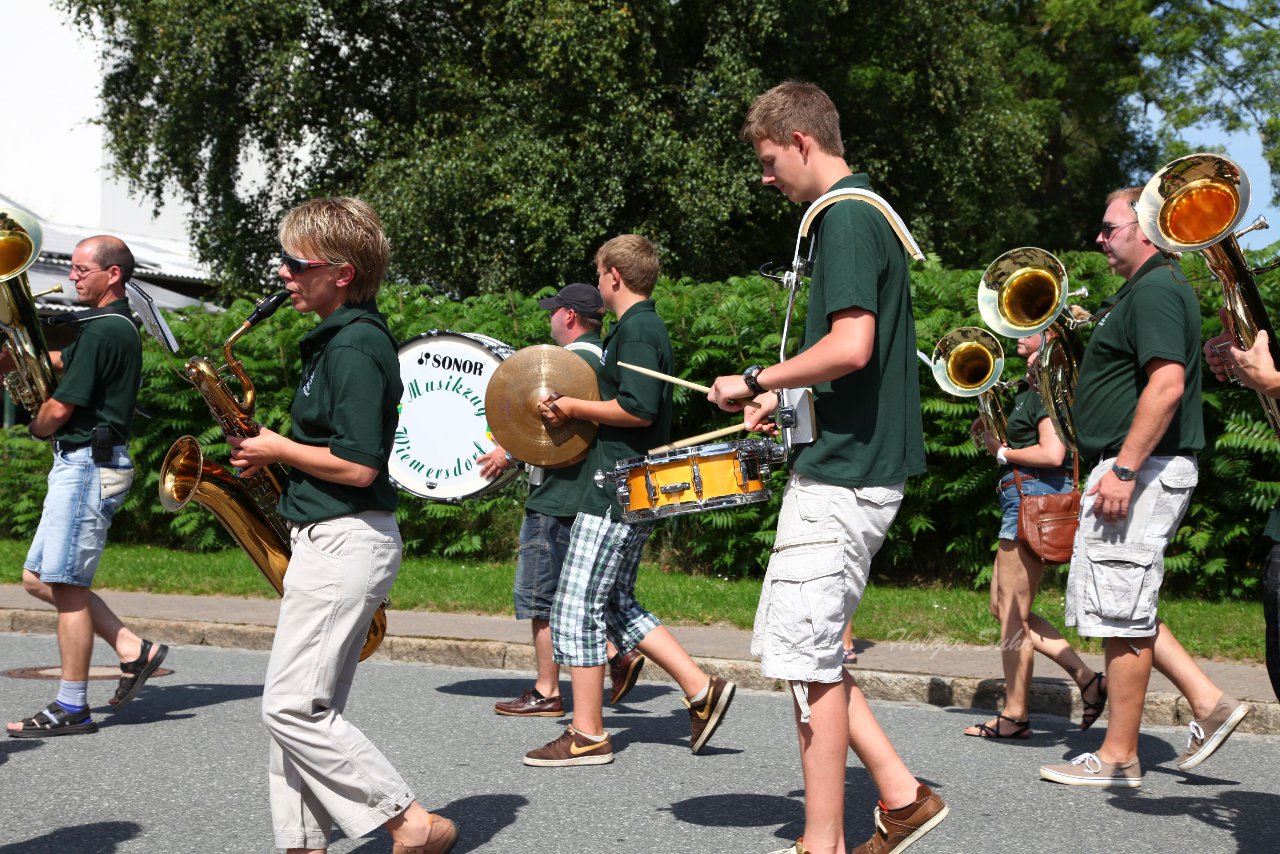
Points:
[(639, 337), (870, 431), (1023, 425), (1154, 315), (347, 402), (102, 370), (561, 490)]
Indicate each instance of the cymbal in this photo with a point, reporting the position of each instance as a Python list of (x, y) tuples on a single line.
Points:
[(511, 404)]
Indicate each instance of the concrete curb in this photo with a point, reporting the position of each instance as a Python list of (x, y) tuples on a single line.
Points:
[(1047, 696)]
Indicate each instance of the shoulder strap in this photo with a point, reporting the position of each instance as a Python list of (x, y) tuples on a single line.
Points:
[(89, 314), (586, 346)]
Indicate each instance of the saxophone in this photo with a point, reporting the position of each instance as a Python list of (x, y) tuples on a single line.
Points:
[(246, 506)]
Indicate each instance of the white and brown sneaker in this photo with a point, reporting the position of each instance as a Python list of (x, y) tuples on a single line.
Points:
[(896, 830), (571, 748), (706, 714)]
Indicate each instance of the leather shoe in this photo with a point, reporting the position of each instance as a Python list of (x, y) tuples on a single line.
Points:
[(528, 705)]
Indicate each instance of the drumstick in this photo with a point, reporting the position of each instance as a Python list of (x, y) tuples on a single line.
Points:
[(699, 439), (677, 381)]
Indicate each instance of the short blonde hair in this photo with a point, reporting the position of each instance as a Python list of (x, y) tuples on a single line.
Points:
[(636, 260), (794, 106), (1128, 194), (341, 230)]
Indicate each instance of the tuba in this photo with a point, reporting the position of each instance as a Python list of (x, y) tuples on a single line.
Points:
[(31, 381), (246, 506), (967, 362), (1193, 205), (1024, 293)]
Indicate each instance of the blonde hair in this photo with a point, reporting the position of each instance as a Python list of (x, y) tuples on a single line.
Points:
[(1128, 194), (341, 230), (794, 106), (636, 260)]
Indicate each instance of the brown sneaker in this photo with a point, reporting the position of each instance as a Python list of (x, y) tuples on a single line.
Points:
[(1088, 770), (529, 705), (571, 748), (624, 670), (1208, 735), (441, 838), (897, 829), (705, 716)]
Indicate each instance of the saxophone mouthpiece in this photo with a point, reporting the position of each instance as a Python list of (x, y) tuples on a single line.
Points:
[(266, 307)]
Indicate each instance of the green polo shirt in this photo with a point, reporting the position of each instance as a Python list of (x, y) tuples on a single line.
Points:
[(346, 401), (870, 431), (639, 337), (561, 490), (102, 369), (1154, 315), (1023, 426)]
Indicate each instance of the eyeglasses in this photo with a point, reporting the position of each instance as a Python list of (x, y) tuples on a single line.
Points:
[(1108, 228), (84, 271), (297, 266)]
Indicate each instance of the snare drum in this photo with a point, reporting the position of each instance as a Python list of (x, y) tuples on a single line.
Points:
[(690, 480), (443, 428)]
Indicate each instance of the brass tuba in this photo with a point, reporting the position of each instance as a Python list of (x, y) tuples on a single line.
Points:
[(1193, 205), (246, 506), (967, 362), (31, 381), (1024, 293)]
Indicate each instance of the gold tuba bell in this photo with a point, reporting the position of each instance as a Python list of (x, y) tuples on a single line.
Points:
[(1193, 205), (31, 381), (967, 362), (1024, 293), (246, 506)]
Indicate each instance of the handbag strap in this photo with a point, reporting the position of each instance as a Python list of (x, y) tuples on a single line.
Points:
[(1075, 475)]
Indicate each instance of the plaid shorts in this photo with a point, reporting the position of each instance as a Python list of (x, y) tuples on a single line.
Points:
[(597, 592)]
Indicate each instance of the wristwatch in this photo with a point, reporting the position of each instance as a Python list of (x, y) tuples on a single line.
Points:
[(749, 377), (1123, 473)]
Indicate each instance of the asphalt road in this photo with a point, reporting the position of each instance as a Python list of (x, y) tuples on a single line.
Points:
[(184, 770)]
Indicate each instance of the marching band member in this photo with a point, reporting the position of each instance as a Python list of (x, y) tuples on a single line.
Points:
[(346, 545), (1137, 412), (845, 488)]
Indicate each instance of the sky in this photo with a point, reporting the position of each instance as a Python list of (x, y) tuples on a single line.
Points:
[(54, 165)]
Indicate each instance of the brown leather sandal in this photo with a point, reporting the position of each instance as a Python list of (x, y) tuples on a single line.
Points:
[(442, 835)]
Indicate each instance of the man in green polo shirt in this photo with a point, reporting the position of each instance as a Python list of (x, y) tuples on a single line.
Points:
[(846, 487), (89, 418), (1138, 415)]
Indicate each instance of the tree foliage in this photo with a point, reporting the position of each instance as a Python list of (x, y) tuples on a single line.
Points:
[(502, 140)]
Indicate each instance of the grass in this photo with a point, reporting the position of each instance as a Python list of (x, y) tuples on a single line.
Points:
[(1228, 630)]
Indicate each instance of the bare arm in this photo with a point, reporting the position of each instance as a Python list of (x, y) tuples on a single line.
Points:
[(608, 412), (52, 416), (270, 447)]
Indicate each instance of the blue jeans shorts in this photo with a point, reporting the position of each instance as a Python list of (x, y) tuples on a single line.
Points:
[(1036, 483), (82, 499), (544, 543)]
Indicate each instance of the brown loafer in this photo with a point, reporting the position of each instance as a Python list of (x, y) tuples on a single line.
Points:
[(529, 706), (441, 838)]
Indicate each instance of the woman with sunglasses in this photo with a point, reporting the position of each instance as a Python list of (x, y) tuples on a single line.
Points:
[(1038, 455), (346, 546)]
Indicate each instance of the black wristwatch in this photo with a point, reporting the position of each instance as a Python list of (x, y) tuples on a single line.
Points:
[(749, 377), (1123, 473)]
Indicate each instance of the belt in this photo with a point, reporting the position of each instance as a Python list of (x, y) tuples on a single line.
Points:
[(66, 447)]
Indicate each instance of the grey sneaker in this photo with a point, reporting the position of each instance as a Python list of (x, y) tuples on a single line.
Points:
[(1088, 770), (1207, 735)]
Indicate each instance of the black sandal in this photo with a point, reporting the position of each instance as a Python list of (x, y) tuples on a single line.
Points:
[(1022, 729), (55, 720), (1093, 711), (136, 674)]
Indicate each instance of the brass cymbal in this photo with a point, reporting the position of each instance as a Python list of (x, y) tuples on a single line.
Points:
[(511, 404)]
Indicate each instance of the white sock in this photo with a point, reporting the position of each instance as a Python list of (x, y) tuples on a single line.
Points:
[(701, 695), (73, 696)]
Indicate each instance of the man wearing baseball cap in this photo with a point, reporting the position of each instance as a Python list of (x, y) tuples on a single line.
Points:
[(554, 496)]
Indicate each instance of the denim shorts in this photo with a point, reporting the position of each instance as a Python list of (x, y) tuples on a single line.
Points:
[(1010, 501), (544, 542), (83, 497)]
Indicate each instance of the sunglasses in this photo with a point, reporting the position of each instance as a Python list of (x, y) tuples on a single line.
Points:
[(1108, 229), (297, 266)]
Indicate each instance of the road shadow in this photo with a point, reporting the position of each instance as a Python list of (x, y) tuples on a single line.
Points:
[(99, 838), (1247, 816), (642, 727), (505, 688), (170, 702), (10, 746), (479, 819)]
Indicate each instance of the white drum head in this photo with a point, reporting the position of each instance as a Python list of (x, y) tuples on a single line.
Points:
[(443, 426)]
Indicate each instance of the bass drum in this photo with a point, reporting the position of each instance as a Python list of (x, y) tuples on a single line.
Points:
[(443, 427)]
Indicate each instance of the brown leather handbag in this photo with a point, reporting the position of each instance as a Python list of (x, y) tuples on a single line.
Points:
[(1047, 523)]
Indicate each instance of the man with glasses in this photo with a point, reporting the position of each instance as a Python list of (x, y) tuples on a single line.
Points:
[(1138, 414), (89, 419)]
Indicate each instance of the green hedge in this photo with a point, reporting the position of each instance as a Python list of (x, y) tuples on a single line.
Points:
[(945, 532)]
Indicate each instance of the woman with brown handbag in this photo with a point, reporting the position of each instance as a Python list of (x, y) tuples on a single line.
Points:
[(1031, 464)]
